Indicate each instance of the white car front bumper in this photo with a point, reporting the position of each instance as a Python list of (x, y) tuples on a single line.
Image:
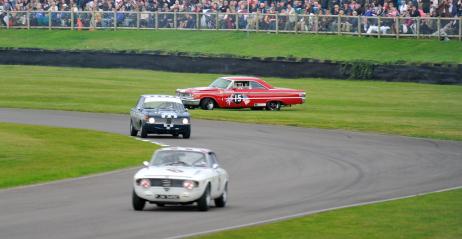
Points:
[(172, 195)]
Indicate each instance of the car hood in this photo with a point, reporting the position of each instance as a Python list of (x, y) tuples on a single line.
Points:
[(170, 172), (198, 89), (165, 113), (285, 89)]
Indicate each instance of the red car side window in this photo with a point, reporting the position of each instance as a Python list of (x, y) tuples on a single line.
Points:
[(255, 85)]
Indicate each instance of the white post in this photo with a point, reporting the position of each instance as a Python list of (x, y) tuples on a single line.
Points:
[(115, 20), (316, 29), (277, 23), (157, 20), (418, 27), (28, 19), (138, 20), (460, 28), (439, 28), (237, 21), (257, 20), (8, 22), (338, 24), (174, 20)]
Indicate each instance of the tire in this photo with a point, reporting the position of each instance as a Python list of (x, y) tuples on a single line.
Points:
[(187, 133), (133, 131), (137, 202), (143, 132), (273, 105), (221, 201), (204, 202), (207, 104)]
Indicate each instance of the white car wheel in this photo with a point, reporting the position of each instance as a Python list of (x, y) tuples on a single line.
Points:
[(137, 202), (204, 201), (221, 201)]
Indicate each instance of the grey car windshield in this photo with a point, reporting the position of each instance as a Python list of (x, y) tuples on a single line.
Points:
[(167, 105), (220, 83), (179, 158)]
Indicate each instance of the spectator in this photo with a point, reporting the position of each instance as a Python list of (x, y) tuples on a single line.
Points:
[(443, 9), (413, 12), (459, 9)]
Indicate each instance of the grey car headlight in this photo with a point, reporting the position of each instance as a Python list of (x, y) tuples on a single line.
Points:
[(185, 121), (151, 120)]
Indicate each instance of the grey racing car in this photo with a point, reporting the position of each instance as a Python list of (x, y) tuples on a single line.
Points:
[(160, 114)]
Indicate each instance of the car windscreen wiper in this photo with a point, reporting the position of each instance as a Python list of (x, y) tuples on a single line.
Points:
[(178, 163)]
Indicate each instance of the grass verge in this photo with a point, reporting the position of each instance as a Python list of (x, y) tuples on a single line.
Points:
[(410, 109), (345, 48), (436, 216), (34, 154)]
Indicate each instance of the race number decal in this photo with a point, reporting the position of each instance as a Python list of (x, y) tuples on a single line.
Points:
[(237, 99)]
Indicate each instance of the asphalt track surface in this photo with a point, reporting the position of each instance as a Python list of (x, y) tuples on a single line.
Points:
[(275, 171)]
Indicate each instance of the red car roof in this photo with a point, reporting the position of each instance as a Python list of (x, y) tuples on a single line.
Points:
[(249, 78)]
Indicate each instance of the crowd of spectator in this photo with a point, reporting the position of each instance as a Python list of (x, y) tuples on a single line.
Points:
[(254, 13), (414, 8)]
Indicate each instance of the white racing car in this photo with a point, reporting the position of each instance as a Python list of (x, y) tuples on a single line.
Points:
[(182, 176)]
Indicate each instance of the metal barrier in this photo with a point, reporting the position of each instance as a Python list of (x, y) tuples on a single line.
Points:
[(398, 27)]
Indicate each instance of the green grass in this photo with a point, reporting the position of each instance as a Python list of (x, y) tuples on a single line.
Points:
[(34, 154), (411, 109), (242, 44), (436, 216)]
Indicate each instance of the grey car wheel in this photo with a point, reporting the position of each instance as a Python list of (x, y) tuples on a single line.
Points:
[(133, 131), (273, 105), (187, 133), (207, 104), (143, 132)]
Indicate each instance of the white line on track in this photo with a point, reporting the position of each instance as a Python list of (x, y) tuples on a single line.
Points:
[(154, 142), (308, 213)]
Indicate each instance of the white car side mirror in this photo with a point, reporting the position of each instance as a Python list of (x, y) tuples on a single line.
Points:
[(215, 166), (146, 163)]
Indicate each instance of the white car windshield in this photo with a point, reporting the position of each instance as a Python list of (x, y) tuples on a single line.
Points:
[(179, 158), (220, 83), (166, 105)]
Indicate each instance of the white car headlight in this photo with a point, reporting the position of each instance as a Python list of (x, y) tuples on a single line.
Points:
[(151, 120), (185, 121), (145, 183), (188, 184)]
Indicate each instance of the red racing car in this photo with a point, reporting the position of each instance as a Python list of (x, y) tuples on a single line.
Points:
[(240, 92)]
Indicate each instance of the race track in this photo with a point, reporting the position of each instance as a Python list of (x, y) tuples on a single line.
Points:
[(275, 172)]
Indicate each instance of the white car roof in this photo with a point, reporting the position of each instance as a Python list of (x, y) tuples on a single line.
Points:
[(168, 98), (201, 150)]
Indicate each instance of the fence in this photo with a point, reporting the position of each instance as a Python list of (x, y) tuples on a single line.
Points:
[(315, 24)]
